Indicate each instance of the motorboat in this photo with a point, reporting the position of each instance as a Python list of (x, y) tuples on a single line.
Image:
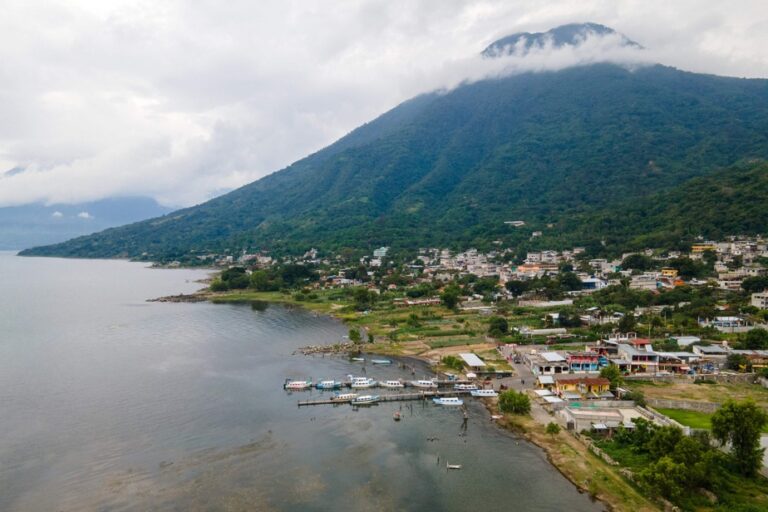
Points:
[(365, 399), (448, 400), (362, 382), (453, 466), (396, 416), (465, 387), (328, 384), (425, 384), (392, 384), (297, 385), (343, 397), (381, 361), (484, 393), (357, 359)]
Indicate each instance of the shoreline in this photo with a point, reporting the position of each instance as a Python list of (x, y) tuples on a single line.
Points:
[(524, 427)]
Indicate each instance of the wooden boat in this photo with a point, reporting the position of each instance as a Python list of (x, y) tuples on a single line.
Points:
[(425, 384), (344, 397), (484, 393), (362, 382), (448, 400), (328, 384), (297, 385), (365, 400)]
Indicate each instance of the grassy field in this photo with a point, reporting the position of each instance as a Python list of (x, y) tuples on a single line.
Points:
[(693, 419), (715, 393)]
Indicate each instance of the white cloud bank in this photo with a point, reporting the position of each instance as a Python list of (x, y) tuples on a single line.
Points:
[(181, 101)]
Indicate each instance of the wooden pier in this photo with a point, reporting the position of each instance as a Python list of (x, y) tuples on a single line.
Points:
[(392, 397)]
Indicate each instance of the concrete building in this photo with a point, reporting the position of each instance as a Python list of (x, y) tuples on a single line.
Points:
[(760, 300)]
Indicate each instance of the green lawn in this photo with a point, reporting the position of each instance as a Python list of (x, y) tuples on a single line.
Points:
[(455, 342), (693, 419)]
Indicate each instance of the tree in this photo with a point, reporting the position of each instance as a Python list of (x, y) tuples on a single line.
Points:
[(498, 326), (736, 362), (627, 323), (514, 402), (740, 424), (637, 261), (570, 281), (636, 396), (516, 288), (665, 477), (450, 297), (363, 298), (755, 284), (217, 285), (756, 339), (354, 335), (613, 374), (552, 428)]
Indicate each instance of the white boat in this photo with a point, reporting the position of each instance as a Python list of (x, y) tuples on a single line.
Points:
[(365, 399), (381, 361), (453, 466), (465, 387), (427, 384), (448, 400), (344, 397), (391, 384), (362, 382), (297, 385), (484, 393), (358, 359)]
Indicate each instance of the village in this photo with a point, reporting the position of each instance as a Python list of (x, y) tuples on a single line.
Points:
[(597, 347)]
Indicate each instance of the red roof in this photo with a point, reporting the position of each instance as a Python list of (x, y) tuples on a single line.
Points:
[(640, 341)]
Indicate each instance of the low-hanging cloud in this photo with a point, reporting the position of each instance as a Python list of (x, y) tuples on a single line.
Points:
[(183, 101)]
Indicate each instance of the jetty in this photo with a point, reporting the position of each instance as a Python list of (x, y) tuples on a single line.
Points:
[(394, 397)]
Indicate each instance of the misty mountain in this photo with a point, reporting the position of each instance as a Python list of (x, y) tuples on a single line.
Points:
[(565, 35), (36, 224), (558, 148)]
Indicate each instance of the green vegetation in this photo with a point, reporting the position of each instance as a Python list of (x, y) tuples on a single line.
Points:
[(613, 374), (448, 169), (552, 428), (693, 419), (513, 402), (669, 464), (738, 424)]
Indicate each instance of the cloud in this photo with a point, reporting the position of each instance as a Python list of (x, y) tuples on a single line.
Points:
[(84, 215), (181, 101), (57, 215)]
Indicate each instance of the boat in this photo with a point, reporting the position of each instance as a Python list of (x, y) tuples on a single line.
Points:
[(428, 384), (453, 466), (358, 359), (362, 382), (381, 361), (343, 397), (465, 387), (328, 384), (391, 384), (297, 385), (484, 393), (448, 400), (365, 399), (396, 416)]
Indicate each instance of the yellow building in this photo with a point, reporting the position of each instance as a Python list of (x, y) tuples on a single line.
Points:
[(703, 247), (584, 386), (669, 272)]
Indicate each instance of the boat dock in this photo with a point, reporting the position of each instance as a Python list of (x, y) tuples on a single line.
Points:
[(393, 397)]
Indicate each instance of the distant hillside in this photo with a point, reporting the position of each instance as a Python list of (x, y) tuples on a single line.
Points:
[(36, 224), (448, 169)]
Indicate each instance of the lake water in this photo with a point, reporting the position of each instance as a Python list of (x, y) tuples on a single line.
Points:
[(108, 402)]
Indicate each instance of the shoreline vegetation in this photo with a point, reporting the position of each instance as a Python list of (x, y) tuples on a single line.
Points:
[(565, 452)]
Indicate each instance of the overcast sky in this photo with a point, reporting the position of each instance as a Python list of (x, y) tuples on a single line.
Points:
[(182, 101)]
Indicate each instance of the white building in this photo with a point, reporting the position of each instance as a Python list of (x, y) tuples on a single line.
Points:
[(760, 300)]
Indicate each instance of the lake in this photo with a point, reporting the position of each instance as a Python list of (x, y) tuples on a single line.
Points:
[(110, 402)]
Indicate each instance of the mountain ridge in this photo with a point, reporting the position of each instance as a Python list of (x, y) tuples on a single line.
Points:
[(449, 168)]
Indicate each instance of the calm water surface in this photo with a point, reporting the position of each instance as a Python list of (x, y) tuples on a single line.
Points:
[(108, 402)]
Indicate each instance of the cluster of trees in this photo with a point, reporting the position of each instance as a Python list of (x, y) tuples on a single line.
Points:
[(498, 326), (513, 402), (266, 280), (678, 465), (552, 287)]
